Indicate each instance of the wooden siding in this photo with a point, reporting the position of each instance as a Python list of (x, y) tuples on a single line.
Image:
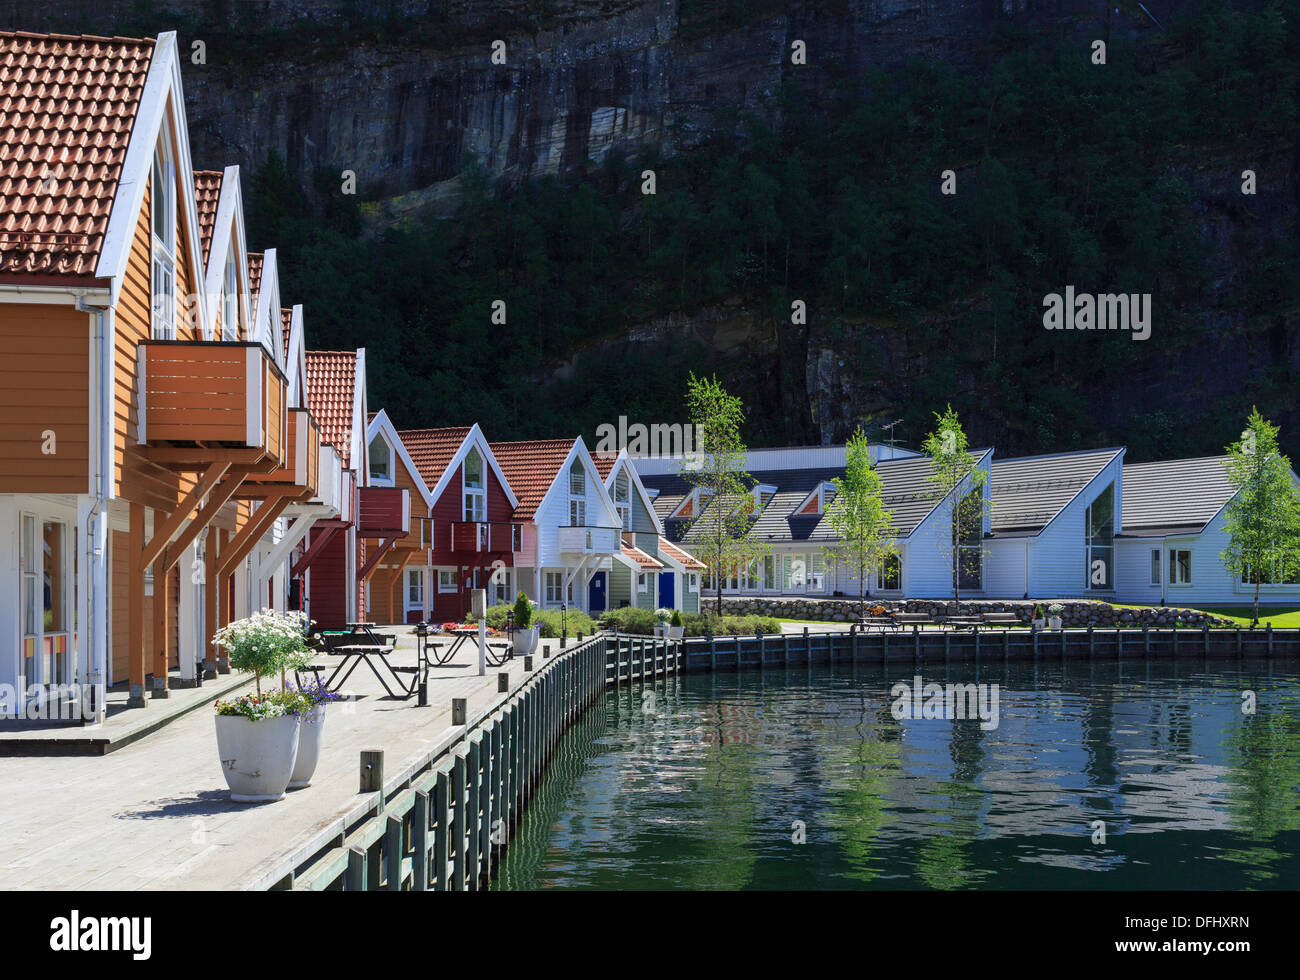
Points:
[(328, 585), (44, 386)]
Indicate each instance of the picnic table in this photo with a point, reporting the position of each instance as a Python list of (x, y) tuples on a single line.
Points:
[(362, 645), (442, 654)]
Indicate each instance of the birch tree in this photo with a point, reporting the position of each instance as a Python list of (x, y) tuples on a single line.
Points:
[(857, 515), (955, 476)]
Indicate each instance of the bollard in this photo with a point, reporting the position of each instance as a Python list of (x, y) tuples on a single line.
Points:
[(503, 681), (459, 711), (528, 663), (424, 694), (372, 773)]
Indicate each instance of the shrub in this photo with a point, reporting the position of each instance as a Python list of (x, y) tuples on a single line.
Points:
[(642, 622), (677, 618), (523, 611), (265, 642), (551, 622), (629, 619)]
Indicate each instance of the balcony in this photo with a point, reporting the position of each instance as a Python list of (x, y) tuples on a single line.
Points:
[(203, 400), (302, 452), (383, 512), (329, 480), (587, 540), (489, 537)]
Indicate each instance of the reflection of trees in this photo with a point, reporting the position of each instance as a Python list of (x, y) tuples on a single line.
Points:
[(943, 860), (1263, 786), (860, 776)]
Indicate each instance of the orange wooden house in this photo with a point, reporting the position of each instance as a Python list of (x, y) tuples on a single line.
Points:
[(152, 439)]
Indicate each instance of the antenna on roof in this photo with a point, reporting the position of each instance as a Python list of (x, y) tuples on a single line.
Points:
[(890, 427)]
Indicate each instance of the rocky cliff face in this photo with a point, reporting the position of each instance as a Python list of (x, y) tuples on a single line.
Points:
[(404, 92)]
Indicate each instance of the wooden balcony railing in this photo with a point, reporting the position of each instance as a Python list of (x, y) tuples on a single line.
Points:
[(214, 395), (587, 540), (302, 452), (329, 480), (499, 537), (383, 512)]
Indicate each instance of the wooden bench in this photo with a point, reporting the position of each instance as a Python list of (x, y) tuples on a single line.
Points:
[(962, 622), (1001, 619), (879, 623), (913, 619)]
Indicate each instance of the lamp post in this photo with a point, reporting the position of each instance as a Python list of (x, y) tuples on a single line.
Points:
[(564, 624)]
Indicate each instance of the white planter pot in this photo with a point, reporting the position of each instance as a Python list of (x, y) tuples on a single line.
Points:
[(676, 632), (310, 730), (1039, 624), (525, 641), (257, 757), (661, 630), (1054, 622)]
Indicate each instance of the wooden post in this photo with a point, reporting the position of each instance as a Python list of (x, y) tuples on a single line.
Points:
[(355, 881), (459, 711), (136, 627), (393, 853), (420, 842), (441, 832), (372, 773), (210, 603), (162, 600), (503, 682)]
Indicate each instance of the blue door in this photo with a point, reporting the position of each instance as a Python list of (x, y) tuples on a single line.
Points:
[(596, 593), (667, 596)]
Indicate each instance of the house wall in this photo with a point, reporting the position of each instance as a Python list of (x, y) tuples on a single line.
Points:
[(45, 387), (554, 513), (328, 595)]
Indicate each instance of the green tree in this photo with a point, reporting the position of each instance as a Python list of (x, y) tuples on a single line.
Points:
[(857, 515), (1262, 520), (720, 530), (957, 482)]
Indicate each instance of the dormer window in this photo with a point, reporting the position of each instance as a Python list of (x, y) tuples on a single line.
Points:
[(763, 494), (815, 503), (163, 197), (230, 300), (473, 489), (577, 495), (381, 461)]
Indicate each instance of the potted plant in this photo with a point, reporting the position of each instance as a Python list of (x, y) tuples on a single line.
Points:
[(525, 634), (676, 628), (662, 618), (310, 709), (257, 734), (1054, 615), (1039, 619)]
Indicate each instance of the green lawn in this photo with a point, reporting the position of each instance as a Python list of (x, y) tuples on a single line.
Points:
[(1279, 616)]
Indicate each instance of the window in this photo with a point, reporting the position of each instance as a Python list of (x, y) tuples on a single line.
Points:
[(500, 584), (622, 500), (817, 581), (1180, 568), (516, 537), (1099, 528), (230, 300), (769, 572), (891, 573), (381, 461), (446, 580), (475, 494), (163, 196), (968, 540), (1275, 576), (1155, 566), (577, 495), (554, 588), (415, 588), (693, 582), (642, 582), (30, 596)]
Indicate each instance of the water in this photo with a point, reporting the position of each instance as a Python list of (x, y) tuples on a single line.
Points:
[(695, 782)]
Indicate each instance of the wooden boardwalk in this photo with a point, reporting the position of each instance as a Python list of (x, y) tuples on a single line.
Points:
[(157, 814)]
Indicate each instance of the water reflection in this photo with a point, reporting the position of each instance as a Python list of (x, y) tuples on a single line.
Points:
[(808, 780)]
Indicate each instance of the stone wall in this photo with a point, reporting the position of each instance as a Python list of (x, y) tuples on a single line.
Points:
[(1077, 612)]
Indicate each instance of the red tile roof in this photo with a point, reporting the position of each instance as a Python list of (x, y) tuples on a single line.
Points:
[(646, 562), (207, 192), (254, 277), (331, 388), (432, 449), (681, 555), (67, 105), (286, 325), (530, 468), (604, 464)]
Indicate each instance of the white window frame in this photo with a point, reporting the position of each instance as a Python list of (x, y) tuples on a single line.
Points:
[(1157, 566), (414, 577), (642, 581), (693, 581), (1174, 581), (501, 583), (553, 586), (473, 498), (163, 253), (446, 581), (378, 478)]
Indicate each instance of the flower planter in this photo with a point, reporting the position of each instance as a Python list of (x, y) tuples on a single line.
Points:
[(525, 640), (310, 729), (676, 632), (1054, 622), (257, 757), (1038, 624)]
